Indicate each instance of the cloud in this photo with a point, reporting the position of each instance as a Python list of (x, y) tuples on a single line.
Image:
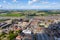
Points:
[(14, 0), (22, 6), (34, 0), (0, 6), (31, 2), (44, 2), (4, 1), (35, 6), (54, 3), (47, 6)]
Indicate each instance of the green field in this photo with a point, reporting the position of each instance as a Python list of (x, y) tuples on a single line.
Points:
[(12, 15), (27, 13)]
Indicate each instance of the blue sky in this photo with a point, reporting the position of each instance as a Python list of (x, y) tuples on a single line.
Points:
[(29, 4)]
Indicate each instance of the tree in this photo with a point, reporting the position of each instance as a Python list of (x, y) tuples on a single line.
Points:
[(12, 35)]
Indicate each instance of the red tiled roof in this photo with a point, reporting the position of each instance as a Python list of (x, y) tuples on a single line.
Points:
[(18, 37)]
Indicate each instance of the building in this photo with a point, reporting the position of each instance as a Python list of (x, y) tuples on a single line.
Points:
[(26, 31), (19, 37)]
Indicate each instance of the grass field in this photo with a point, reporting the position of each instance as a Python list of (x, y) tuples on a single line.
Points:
[(12, 15)]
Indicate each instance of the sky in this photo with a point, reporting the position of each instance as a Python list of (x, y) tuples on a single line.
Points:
[(29, 4)]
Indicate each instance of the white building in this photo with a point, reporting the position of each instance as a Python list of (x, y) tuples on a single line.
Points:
[(26, 31)]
